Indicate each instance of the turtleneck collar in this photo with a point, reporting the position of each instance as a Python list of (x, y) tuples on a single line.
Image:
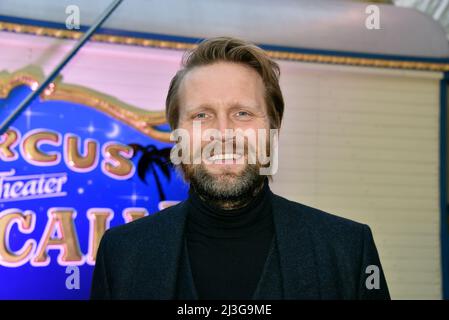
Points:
[(216, 222)]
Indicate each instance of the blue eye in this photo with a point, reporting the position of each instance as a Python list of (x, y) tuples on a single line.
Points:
[(242, 114), (201, 115)]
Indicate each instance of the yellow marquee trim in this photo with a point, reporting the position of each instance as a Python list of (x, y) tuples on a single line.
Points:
[(305, 57), (142, 120)]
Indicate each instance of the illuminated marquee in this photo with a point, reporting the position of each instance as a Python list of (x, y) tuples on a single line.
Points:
[(115, 164), (116, 156), (67, 174)]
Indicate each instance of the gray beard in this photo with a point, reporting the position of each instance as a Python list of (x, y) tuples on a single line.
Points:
[(228, 190)]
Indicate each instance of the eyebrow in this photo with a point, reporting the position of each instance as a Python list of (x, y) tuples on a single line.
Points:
[(204, 106), (236, 105)]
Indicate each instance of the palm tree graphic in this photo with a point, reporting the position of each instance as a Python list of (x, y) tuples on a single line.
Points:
[(151, 158)]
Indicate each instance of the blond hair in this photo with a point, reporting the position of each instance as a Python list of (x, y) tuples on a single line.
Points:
[(227, 49)]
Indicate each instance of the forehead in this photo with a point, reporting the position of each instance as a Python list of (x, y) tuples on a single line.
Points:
[(222, 83)]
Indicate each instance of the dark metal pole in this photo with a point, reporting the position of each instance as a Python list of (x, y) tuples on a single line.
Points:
[(7, 122)]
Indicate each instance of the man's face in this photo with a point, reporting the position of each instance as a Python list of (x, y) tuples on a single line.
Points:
[(222, 96)]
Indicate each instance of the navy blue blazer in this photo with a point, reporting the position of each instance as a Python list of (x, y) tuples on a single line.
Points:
[(315, 255)]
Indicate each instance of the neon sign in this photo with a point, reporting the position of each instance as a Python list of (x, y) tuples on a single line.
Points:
[(68, 172)]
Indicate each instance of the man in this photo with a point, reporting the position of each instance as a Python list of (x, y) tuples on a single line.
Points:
[(233, 238)]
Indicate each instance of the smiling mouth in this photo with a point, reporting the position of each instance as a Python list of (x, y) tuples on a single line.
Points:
[(224, 158)]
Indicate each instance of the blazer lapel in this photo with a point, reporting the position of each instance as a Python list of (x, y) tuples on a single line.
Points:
[(296, 251), (290, 271), (269, 286), (185, 288), (161, 249)]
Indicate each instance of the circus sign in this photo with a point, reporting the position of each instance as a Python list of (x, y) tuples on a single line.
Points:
[(74, 164)]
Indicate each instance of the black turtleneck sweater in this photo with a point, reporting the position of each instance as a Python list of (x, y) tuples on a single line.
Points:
[(227, 248)]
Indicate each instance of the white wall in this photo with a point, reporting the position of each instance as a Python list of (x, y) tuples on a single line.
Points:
[(363, 144), (360, 143), (319, 24)]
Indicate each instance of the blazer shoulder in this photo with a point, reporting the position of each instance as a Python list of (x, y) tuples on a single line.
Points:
[(343, 248), (148, 225), (323, 223)]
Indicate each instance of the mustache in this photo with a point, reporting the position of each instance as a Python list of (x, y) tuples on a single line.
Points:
[(210, 149)]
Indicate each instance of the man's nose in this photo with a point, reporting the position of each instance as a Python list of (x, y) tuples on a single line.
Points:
[(223, 124)]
